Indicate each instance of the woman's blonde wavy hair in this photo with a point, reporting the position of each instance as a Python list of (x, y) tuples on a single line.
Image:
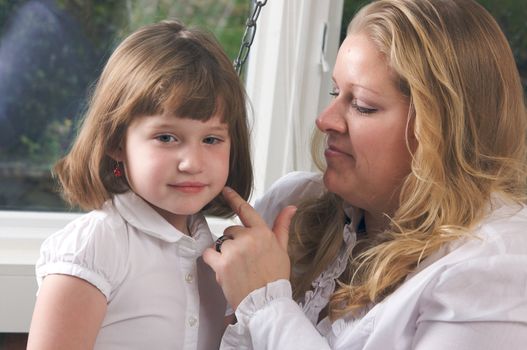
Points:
[(469, 118), (160, 66)]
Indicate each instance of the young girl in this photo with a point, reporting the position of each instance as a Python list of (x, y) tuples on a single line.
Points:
[(165, 132)]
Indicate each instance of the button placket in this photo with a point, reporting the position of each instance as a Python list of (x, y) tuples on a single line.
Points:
[(192, 321), (189, 277)]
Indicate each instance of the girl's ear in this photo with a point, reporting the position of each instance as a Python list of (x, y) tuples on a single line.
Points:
[(117, 154)]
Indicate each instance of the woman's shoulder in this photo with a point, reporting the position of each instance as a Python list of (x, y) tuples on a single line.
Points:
[(488, 264), (291, 189), (299, 178), (501, 234), (506, 220), (294, 187)]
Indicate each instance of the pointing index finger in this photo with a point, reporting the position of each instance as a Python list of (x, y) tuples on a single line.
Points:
[(248, 216)]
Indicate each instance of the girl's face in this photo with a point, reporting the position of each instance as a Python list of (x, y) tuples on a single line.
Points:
[(367, 156), (178, 165)]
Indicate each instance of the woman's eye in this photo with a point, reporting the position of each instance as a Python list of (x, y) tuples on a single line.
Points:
[(166, 138), (362, 109), (211, 140), (334, 92)]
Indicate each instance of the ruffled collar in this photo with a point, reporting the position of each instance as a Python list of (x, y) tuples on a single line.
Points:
[(323, 286)]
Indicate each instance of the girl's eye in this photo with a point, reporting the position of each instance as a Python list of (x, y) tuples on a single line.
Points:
[(166, 138), (362, 109), (211, 140)]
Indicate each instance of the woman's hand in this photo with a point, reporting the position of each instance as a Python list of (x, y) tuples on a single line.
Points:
[(255, 255)]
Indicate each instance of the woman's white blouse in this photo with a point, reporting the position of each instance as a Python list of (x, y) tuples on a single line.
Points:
[(160, 293), (470, 295)]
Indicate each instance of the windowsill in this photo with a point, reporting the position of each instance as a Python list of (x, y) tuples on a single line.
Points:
[(21, 234)]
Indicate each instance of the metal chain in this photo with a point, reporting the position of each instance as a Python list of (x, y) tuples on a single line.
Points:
[(248, 36)]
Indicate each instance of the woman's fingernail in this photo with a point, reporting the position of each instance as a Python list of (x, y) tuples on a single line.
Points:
[(228, 189)]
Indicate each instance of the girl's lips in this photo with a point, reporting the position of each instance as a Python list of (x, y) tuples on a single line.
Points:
[(189, 187)]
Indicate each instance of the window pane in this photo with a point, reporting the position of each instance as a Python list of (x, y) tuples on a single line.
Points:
[(51, 51)]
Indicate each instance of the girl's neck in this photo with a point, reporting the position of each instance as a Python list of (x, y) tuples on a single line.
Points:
[(180, 222)]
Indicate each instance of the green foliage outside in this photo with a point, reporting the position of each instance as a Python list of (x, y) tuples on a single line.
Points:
[(510, 14), (52, 101), (105, 24), (225, 18), (67, 43), (512, 18)]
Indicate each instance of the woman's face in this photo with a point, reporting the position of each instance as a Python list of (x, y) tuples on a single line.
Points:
[(366, 124)]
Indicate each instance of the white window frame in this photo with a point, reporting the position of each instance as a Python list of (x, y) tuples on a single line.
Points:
[(288, 84)]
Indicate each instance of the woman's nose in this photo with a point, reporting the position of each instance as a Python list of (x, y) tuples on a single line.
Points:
[(332, 120), (191, 160)]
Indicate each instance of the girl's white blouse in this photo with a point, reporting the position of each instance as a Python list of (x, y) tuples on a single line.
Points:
[(160, 293), (470, 295)]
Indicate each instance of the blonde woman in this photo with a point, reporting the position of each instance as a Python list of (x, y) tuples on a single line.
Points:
[(415, 236)]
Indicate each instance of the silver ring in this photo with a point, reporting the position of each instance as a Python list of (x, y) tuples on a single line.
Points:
[(220, 241)]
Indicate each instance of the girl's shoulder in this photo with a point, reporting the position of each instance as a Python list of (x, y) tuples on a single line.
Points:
[(93, 247), (97, 226)]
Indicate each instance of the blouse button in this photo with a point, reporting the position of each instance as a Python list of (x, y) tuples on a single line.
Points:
[(192, 321), (189, 278)]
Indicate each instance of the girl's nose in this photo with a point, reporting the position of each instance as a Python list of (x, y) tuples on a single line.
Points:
[(191, 160), (332, 119)]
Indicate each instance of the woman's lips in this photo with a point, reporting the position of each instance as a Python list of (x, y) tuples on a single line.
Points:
[(333, 151)]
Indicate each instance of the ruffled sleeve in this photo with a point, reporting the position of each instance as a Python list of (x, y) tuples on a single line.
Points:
[(93, 247), (268, 318)]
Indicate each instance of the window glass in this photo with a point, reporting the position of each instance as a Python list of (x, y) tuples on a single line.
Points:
[(51, 52)]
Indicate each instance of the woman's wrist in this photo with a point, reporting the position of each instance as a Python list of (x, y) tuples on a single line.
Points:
[(260, 298)]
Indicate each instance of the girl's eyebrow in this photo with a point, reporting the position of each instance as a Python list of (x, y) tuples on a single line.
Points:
[(168, 125), (221, 127)]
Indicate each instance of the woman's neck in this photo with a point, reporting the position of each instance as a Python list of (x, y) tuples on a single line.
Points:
[(375, 223)]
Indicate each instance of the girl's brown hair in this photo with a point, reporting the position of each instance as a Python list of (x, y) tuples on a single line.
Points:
[(160, 66)]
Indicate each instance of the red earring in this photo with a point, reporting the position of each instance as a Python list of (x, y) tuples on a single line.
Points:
[(117, 170)]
